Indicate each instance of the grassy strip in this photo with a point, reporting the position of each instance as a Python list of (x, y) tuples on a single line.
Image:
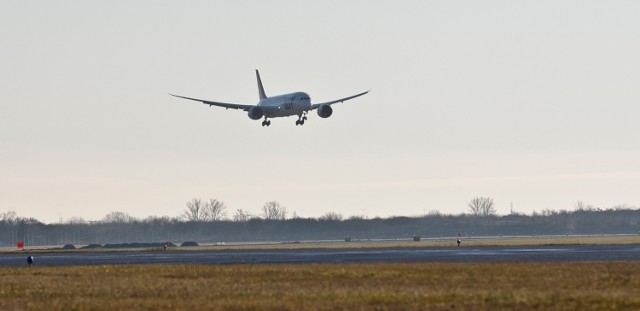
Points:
[(444, 242), (482, 286)]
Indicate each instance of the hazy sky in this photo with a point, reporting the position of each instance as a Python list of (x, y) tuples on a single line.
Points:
[(531, 102)]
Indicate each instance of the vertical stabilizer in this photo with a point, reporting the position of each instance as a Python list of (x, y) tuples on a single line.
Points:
[(260, 87)]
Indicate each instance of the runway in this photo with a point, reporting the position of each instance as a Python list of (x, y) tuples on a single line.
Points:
[(562, 253)]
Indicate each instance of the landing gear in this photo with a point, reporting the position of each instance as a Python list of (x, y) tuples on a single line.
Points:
[(301, 118), (266, 122)]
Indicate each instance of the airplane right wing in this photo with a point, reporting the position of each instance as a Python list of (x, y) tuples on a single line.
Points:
[(219, 104)]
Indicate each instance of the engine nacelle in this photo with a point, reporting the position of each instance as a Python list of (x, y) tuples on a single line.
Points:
[(255, 113), (325, 111)]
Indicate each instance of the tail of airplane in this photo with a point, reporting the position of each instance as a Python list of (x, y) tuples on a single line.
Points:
[(260, 87)]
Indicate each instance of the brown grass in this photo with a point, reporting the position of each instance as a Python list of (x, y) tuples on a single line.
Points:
[(460, 286)]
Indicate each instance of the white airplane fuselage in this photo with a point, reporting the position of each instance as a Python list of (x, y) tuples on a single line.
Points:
[(285, 105)]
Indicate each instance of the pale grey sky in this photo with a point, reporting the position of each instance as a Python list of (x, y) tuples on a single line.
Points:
[(530, 102)]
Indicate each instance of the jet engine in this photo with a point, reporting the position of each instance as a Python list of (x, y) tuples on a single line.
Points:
[(325, 111), (256, 113)]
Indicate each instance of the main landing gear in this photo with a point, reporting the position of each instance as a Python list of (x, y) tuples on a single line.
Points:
[(266, 122), (301, 118)]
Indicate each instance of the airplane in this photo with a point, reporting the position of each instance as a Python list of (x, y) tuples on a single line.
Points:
[(298, 103)]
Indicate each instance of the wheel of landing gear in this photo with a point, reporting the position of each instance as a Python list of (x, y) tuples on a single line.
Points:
[(268, 122), (297, 122)]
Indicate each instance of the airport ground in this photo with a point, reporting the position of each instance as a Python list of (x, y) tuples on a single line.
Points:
[(543, 240), (472, 285), (375, 286), (467, 241)]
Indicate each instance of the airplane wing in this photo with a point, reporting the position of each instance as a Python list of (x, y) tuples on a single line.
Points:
[(219, 104), (315, 106)]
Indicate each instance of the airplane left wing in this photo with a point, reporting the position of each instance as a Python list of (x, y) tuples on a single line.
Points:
[(315, 106), (219, 104)]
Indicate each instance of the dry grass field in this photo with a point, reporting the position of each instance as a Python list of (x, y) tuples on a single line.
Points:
[(464, 286)]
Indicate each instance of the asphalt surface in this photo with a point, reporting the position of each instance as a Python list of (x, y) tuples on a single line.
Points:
[(386, 255)]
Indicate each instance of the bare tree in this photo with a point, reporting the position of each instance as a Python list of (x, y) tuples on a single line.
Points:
[(581, 206), (241, 215), (272, 210), (482, 206), (117, 217), (76, 221), (9, 217), (331, 216), (358, 217), (214, 210), (195, 210)]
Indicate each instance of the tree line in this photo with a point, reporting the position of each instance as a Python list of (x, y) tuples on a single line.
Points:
[(207, 221), (213, 210)]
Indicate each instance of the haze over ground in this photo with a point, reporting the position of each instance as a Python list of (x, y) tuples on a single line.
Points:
[(534, 103)]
